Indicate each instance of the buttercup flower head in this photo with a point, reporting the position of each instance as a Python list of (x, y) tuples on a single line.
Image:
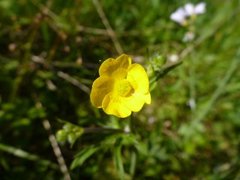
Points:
[(122, 87)]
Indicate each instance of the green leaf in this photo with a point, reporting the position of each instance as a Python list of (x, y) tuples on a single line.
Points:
[(118, 158), (83, 155)]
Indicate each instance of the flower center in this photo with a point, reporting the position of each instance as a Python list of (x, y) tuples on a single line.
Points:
[(124, 88)]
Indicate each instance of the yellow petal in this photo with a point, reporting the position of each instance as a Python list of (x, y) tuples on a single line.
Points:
[(100, 88), (109, 66), (114, 105), (136, 101), (138, 78), (147, 98)]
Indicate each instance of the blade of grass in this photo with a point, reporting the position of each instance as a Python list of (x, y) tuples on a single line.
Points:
[(83, 155), (221, 87), (26, 155), (133, 163), (118, 158)]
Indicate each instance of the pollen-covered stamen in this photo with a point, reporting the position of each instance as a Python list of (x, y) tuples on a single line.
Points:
[(124, 88)]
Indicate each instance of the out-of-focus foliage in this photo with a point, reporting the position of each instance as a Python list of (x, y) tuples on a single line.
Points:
[(49, 56)]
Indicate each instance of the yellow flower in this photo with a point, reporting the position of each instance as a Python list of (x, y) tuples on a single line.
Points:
[(122, 87)]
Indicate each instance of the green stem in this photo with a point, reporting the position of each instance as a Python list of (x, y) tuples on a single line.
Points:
[(133, 163), (132, 125), (192, 88), (102, 130)]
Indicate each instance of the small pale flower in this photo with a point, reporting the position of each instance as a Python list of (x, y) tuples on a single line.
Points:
[(192, 10), (173, 58), (189, 36), (179, 16), (122, 87), (192, 103), (200, 8), (188, 10), (127, 129)]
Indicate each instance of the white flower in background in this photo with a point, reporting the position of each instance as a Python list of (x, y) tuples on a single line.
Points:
[(179, 16), (191, 10), (200, 8), (188, 37), (173, 58), (192, 103), (188, 10), (127, 129)]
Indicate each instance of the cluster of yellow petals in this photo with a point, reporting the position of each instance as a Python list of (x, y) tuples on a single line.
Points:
[(121, 88)]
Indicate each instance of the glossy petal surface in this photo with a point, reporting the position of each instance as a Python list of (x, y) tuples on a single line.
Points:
[(110, 66), (137, 76), (122, 87), (115, 105), (101, 86)]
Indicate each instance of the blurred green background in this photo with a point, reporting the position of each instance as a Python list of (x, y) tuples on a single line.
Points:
[(49, 56)]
